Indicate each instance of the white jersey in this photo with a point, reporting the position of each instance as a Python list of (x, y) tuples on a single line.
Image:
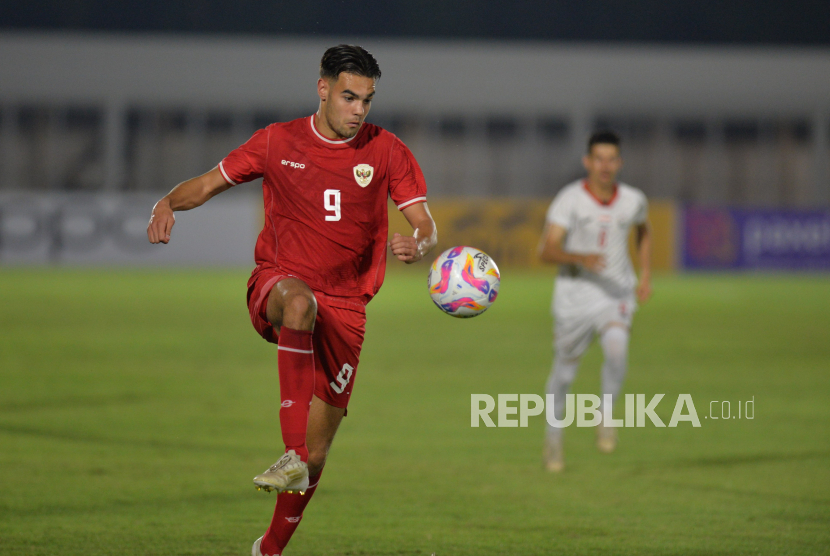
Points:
[(596, 227)]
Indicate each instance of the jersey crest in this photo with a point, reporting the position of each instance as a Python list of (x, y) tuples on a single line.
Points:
[(363, 174)]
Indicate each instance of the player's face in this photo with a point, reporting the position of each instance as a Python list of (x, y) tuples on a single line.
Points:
[(345, 103), (603, 164)]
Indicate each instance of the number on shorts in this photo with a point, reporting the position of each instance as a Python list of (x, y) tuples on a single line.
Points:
[(343, 378), (331, 200)]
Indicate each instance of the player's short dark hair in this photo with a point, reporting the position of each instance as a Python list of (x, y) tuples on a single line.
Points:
[(348, 58), (604, 137)]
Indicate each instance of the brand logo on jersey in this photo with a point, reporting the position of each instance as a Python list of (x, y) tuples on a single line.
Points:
[(287, 403), (293, 519), (363, 174), (293, 164)]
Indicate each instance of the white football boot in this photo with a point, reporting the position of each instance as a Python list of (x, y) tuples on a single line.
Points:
[(606, 439), (553, 457), (289, 474), (255, 550)]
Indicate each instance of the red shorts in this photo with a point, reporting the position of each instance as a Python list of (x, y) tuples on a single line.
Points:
[(337, 339)]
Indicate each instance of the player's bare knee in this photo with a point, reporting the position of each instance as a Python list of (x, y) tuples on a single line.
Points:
[(300, 311)]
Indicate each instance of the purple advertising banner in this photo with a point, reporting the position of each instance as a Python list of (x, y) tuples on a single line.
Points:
[(756, 239)]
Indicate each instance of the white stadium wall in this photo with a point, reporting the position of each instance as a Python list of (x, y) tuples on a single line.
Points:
[(700, 124), (418, 75), (111, 229), (120, 119)]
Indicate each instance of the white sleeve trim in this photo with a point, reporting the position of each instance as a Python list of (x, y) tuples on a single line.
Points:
[(412, 202), (225, 174)]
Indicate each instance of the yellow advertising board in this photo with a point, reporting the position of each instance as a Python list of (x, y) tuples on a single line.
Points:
[(509, 229)]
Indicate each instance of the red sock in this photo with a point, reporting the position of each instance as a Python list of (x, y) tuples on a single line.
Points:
[(286, 518), (296, 369)]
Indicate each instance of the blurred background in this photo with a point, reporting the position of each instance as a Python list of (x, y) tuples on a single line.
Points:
[(724, 111)]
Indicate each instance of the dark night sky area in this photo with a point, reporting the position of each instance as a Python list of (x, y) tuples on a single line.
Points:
[(760, 22)]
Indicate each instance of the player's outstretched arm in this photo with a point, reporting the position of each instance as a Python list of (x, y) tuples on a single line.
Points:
[(185, 196), (410, 249), (644, 253), (551, 251)]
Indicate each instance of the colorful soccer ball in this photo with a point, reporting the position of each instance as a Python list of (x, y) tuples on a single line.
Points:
[(463, 282)]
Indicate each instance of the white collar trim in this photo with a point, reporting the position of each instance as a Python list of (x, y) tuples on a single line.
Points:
[(318, 134)]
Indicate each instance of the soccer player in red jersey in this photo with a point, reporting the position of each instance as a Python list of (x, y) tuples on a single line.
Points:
[(320, 257)]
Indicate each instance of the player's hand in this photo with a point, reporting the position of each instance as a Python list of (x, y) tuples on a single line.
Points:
[(593, 262), (161, 223), (644, 289), (405, 248)]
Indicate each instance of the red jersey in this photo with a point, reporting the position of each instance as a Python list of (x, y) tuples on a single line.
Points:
[(325, 201)]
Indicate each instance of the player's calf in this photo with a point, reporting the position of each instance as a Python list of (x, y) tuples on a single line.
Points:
[(316, 460), (292, 309)]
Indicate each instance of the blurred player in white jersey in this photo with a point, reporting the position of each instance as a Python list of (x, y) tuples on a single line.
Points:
[(596, 293)]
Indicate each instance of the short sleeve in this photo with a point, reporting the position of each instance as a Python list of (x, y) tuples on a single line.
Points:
[(641, 215), (247, 162), (559, 212), (406, 180)]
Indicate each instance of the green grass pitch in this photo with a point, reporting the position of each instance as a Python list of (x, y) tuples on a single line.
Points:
[(136, 406)]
